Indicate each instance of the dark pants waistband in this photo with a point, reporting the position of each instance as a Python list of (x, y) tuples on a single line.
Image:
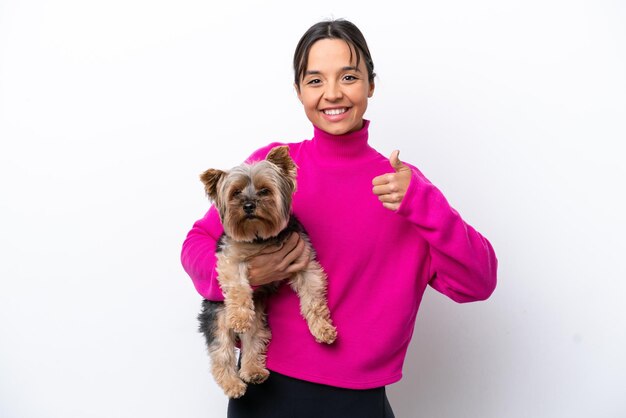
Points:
[(281, 396)]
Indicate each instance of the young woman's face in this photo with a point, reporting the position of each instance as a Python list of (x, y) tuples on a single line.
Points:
[(333, 90)]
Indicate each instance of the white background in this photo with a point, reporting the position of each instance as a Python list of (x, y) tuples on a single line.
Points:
[(109, 110)]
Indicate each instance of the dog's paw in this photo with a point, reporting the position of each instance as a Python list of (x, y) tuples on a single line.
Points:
[(240, 327), (240, 320), (325, 333), (235, 389), (254, 376)]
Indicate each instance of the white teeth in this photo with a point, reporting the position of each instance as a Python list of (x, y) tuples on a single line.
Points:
[(335, 111)]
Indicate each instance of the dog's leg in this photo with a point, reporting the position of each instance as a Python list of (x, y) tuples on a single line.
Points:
[(310, 285), (237, 297), (223, 360), (254, 346)]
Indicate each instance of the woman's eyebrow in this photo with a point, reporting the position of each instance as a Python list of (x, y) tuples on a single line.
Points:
[(346, 68)]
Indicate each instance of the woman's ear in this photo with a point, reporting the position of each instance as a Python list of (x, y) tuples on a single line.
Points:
[(295, 86), (370, 93)]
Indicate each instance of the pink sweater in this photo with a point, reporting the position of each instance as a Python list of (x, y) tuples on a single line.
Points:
[(378, 263)]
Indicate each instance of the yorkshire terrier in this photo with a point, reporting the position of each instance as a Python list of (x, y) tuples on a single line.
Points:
[(254, 205)]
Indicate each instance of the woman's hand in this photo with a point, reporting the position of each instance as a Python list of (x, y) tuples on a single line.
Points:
[(278, 262), (391, 187)]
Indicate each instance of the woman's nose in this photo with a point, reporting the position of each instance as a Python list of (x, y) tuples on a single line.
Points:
[(333, 92)]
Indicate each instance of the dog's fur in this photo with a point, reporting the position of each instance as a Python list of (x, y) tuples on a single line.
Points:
[(254, 204)]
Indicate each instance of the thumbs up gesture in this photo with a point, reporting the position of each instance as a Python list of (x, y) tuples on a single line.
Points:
[(391, 187)]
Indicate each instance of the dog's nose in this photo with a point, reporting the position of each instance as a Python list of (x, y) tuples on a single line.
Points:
[(249, 207)]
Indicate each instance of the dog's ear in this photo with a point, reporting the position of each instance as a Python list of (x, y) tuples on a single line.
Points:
[(280, 157), (211, 179)]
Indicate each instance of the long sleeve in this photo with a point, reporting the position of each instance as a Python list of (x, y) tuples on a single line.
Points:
[(198, 255), (463, 263)]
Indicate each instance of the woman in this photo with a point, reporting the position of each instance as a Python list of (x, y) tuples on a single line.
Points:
[(382, 233)]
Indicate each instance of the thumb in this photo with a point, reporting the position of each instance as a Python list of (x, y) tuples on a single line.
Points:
[(395, 161)]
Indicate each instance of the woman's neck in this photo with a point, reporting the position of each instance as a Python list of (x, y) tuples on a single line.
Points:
[(348, 147)]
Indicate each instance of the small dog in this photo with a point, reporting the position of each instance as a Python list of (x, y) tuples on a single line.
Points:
[(254, 204)]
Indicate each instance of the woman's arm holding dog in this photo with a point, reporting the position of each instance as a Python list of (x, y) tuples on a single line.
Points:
[(198, 258), (198, 255)]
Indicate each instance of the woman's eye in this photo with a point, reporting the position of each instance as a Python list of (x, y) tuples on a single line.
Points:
[(350, 78), (314, 81)]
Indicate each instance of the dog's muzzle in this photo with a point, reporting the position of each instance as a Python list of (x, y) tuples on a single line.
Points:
[(249, 208)]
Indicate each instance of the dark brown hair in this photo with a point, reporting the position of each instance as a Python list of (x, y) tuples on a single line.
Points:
[(332, 29)]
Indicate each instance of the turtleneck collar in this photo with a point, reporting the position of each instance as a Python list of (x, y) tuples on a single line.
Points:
[(349, 147)]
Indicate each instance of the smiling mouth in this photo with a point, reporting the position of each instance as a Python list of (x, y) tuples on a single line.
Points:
[(334, 112)]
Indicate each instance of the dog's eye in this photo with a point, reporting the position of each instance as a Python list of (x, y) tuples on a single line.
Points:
[(236, 193), (264, 192)]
